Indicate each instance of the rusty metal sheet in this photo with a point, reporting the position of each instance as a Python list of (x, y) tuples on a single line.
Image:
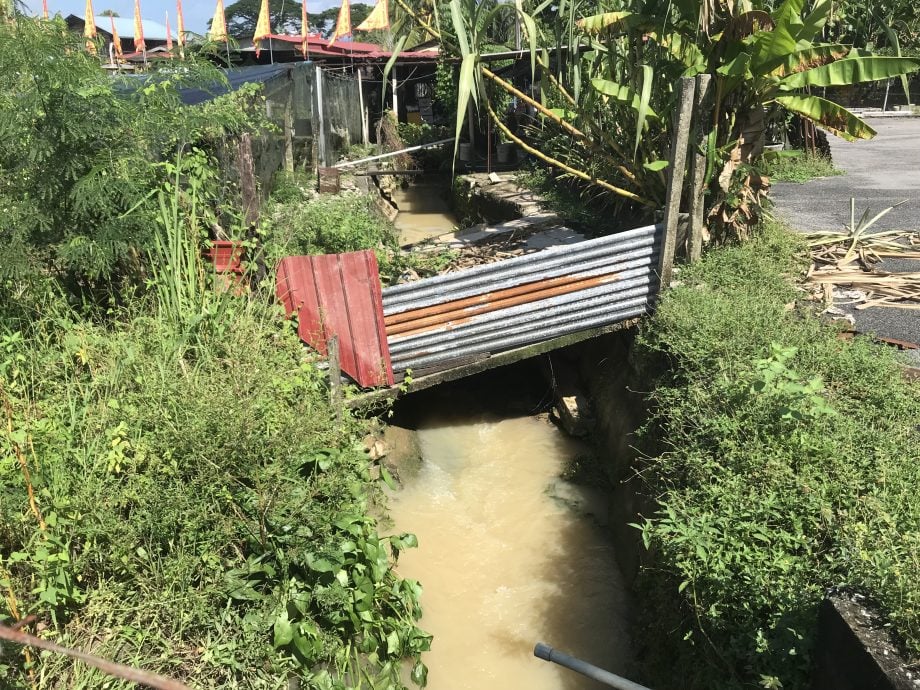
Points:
[(479, 312), (339, 294)]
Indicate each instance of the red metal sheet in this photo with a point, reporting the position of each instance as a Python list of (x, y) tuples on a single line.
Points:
[(340, 294)]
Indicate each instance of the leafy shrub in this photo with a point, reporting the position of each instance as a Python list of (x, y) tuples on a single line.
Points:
[(787, 464), (80, 153), (298, 221)]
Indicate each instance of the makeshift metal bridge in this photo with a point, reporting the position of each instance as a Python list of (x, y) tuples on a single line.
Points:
[(458, 324)]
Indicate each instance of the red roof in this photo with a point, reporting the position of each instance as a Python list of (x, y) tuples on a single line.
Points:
[(319, 46)]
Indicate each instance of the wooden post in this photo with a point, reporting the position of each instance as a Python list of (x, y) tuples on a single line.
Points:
[(678, 160), (289, 130), (335, 376), (319, 120), (248, 187), (702, 116)]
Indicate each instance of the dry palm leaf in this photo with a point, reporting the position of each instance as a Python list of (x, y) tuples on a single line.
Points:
[(855, 242)]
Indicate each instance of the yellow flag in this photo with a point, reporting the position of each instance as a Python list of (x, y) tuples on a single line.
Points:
[(139, 45), (116, 41), (218, 30), (263, 27), (379, 18), (343, 25), (89, 27)]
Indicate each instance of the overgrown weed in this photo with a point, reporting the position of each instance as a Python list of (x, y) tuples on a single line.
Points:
[(789, 467), (797, 166)]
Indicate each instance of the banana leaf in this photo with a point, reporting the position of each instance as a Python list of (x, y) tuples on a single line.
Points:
[(852, 70), (810, 57), (828, 115), (622, 94), (623, 21)]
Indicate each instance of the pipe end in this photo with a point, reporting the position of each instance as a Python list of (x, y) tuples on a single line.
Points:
[(543, 651)]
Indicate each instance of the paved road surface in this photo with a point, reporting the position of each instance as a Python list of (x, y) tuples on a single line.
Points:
[(879, 173)]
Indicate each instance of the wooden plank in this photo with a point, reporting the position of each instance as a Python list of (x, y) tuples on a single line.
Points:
[(335, 376), (702, 116), (678, 159)]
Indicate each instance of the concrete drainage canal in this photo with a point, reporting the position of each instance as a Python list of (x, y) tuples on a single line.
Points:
[(513, 543)]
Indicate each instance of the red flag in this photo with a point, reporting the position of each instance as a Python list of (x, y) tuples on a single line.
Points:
[(169, 44), (139, 44), (304, 31), (343, 24)]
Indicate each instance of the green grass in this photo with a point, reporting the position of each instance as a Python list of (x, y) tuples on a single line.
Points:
[(785, 461), (797, 166)]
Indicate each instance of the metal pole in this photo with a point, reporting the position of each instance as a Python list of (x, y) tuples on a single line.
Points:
[(345, 164), (547, 653), (364, 136)]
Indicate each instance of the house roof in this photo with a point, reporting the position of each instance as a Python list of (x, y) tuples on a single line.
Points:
[(319, 47)]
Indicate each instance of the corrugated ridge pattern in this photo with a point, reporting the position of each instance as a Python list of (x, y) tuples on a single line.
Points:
[(438, 321)]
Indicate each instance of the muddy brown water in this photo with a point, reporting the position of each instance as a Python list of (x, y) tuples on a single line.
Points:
[(509, 554), (424, 211)]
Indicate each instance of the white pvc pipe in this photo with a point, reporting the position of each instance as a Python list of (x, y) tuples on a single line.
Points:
[(393, 153)]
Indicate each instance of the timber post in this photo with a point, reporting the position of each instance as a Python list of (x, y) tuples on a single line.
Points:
[(702, 115), (335, 376), (289, 129), (676, 167)]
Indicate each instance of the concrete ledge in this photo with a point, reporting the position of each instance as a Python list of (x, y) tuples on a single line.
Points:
[(855, 651)]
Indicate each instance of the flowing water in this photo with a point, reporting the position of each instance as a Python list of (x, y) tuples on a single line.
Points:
[(509, 554), (424, 211)]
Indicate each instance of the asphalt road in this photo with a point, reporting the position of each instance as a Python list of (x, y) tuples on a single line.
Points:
[(879, 173)]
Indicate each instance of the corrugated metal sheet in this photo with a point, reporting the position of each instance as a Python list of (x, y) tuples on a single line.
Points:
[(339, 294), (529, 299)]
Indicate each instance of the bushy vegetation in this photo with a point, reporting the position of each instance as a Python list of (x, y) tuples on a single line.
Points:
[(797, 166), (176, 490), (786, 463), (82, 153), (300, 221)]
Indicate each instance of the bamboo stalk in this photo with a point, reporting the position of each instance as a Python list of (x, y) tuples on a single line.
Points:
[(550, 115), (562, 166)]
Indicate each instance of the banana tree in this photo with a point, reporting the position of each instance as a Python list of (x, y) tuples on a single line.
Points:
[(778, 62)]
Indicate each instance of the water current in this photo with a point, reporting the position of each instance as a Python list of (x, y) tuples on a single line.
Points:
[(424, 211), (509, 554)]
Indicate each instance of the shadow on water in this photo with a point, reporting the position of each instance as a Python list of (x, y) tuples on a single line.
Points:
[(509, 554)]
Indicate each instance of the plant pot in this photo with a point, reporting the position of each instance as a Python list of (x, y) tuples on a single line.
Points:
[(465, 152), (227, 256), (505, 152)]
